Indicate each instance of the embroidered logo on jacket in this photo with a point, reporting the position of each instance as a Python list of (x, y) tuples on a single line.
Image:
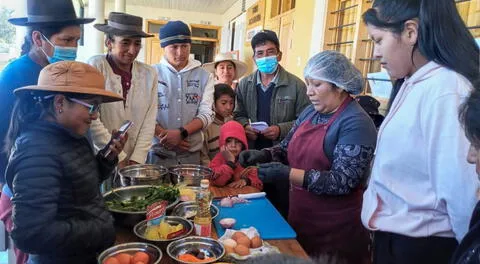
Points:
[(192, 98), (195, 84)]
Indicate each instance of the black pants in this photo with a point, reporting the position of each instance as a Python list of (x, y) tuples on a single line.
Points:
[(390, 248)]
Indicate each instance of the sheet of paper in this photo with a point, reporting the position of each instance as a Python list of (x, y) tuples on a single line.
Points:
[(380, 84), (260, 126)]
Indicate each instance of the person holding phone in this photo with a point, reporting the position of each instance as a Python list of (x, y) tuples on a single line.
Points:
[(59, 215), (134, 80)]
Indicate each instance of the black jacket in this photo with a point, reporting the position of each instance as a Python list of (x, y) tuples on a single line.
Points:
[(59, 214), (468, 252)]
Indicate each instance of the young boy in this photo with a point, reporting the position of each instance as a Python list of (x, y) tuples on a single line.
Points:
[(224, 102), (227, 170)]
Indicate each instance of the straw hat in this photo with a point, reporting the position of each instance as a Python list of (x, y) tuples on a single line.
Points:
[(122, 24), (50, 13), (240, 67), (71, 77)]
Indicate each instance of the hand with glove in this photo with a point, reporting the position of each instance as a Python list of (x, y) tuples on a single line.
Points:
[(252, 157), (273, 171)]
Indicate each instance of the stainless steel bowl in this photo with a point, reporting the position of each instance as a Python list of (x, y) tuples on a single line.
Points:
[(143, 174), (210, 247), (188, 210), (189, 174), (140, 228), (130, 218), (130, 248)]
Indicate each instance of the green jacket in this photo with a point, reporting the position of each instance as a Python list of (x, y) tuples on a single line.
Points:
[(288, 101)]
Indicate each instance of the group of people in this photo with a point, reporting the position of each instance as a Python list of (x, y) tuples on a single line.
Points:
[(321, 160)]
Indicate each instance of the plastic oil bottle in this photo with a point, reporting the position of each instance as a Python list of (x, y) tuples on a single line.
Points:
[(203, 219)]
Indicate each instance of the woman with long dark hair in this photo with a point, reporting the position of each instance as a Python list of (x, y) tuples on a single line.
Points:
[(421, 189)]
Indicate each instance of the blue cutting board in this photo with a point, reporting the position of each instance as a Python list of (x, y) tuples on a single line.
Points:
[(259, 213)]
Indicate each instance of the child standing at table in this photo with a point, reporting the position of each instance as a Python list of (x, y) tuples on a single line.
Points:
[(227, 170)]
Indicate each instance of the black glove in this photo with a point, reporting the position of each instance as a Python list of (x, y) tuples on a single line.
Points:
[(274, 171), (252, 157)]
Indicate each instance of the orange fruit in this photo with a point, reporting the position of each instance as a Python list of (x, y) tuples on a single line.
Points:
[(123, 258), (111, 260), (141, 257)]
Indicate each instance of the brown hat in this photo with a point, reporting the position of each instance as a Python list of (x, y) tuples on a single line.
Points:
[(71, 77), (122, 24), (50, 13)]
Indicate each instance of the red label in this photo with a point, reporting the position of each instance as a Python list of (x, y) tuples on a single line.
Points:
[(203, 230), (156, 210)]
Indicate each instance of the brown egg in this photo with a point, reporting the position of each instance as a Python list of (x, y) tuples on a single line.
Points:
[(237, 235), (242, 250), (229, 249), (244, 241), (256, 242)]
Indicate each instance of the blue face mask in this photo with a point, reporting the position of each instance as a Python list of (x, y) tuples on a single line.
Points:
[(61, 53), (267, 65)]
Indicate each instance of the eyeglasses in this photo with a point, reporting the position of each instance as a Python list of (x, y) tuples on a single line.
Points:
[(92, 109)]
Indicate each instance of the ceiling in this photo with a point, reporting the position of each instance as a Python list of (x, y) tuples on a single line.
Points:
[(202, 6)]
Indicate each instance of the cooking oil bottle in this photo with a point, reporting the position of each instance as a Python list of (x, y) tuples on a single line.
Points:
[(203, 219)]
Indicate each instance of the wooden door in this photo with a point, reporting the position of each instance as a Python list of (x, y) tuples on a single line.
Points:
[(154, 52), (285, 37)]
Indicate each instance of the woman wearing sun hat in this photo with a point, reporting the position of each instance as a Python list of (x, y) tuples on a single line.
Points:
[(226, 69), (59, 214)]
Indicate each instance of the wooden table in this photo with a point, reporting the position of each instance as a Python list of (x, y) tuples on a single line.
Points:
[(286, 246)]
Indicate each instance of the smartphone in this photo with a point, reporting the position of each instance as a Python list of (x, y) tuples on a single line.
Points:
[(121, 132)]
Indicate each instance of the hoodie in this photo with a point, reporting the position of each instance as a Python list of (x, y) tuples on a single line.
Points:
[(225, 173)]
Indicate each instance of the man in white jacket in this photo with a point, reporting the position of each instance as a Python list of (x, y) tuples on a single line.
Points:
[(185, 98), (135, 81)]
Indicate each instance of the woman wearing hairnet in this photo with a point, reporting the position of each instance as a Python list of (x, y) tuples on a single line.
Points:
[(328, 152)]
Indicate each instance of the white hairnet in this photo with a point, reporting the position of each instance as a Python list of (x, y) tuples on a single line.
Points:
[(334, 67)]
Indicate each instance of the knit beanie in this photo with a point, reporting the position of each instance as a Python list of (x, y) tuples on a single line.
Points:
[(174, 32)]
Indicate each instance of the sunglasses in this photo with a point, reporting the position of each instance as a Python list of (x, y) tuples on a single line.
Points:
[(92, 109)]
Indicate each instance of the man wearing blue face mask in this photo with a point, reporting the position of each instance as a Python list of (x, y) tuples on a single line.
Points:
[(273, 95), (53, 31)]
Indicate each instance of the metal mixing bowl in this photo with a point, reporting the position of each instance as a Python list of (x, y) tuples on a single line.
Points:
[(130, 218), (140, 228), (131, 248), (190, 208), (143, 174), (210, 247), (189, 174)]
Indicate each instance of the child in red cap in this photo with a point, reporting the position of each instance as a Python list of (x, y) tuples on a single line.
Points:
[(227, 170)]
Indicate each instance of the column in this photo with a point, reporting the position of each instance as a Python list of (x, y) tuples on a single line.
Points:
[(20, 11), (95, 38), (120, 6)]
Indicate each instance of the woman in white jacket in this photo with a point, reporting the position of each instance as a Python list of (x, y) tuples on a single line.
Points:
[(135, 81)]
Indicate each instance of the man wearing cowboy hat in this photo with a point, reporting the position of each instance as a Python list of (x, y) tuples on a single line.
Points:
[(185, 97), (226, 69), (53, 31), (271, 94), (134, 80)]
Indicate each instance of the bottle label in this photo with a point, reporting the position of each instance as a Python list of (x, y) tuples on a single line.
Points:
[(203, 230)]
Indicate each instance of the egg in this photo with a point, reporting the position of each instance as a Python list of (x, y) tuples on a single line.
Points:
[(141, 257), (229, 249), (237, 235), (230, 242), (256, 242), (123, 258), (111, 260), (242, 250), (244, 241)]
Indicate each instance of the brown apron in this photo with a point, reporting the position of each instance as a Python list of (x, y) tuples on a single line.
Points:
[(325, 224)]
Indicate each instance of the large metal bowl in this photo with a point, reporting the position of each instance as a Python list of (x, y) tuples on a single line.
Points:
[(130, 218), (210, 247), (188, 210), (143, 174), (189, 174), (131, 248), (140, 228)]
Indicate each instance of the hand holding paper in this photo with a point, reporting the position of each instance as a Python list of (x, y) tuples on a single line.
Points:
[(259, 126)]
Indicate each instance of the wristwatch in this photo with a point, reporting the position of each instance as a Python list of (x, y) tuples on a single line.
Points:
[(183, 132)]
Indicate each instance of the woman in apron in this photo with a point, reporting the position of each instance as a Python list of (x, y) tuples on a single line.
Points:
[(328, 152)]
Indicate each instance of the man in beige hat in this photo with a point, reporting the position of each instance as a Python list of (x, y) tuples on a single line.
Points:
[(226, 69), (59, 212), (134, 80)]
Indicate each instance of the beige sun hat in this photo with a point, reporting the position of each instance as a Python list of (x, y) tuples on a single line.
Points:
[(240, 67), (71, 77)]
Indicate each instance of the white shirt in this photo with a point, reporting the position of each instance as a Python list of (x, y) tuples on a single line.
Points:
[(421, 184)]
